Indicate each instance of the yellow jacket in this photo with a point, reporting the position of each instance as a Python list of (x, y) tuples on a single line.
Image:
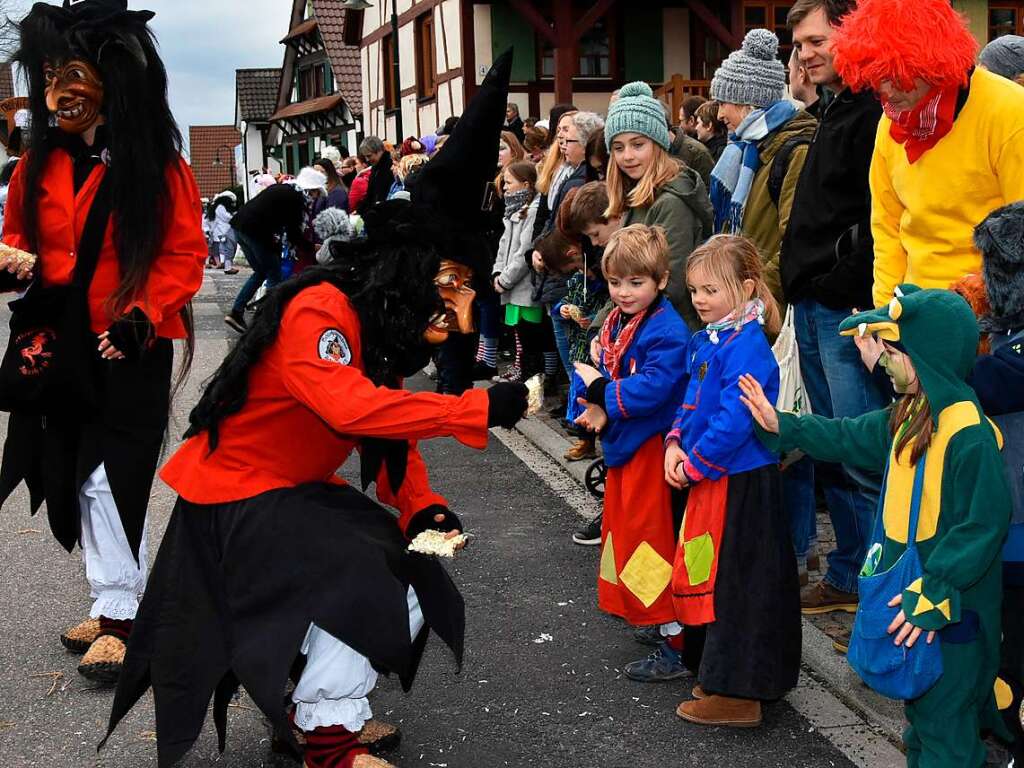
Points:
[(923, 215)]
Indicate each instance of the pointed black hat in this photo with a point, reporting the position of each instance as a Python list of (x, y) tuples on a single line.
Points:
[(80, 28), (451, 188)]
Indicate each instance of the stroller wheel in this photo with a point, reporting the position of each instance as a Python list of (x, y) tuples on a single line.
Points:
[(595, 477)]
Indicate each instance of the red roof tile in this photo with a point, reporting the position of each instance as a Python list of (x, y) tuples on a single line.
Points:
[(256, 91), (207, 143), (345, 61)]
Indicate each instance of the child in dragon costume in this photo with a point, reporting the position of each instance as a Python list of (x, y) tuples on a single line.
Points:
[(926, 340)]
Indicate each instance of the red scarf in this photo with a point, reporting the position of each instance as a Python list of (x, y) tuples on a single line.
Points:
[(615, 349), (919, 129)]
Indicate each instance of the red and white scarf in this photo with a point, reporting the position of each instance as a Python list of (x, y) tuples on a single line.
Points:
[(919, 129), (615, 349)]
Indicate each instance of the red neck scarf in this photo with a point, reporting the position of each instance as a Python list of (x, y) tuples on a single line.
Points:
[(919, 129), (615, 349)]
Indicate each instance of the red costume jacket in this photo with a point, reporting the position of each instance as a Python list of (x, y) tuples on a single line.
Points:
[(176, 274), (309, 404)]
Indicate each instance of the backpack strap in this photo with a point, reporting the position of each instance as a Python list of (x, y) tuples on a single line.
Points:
[(780, 165), (91, 243)]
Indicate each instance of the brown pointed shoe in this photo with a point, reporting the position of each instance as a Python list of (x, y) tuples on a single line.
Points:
[(698, 693), (102, 662), (722, 710), (379, 737), (81, 636), (824, 598)]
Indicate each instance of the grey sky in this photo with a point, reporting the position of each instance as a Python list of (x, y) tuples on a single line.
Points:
[(202, 43)]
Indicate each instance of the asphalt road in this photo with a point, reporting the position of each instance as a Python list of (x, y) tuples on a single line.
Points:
[(541, 685)]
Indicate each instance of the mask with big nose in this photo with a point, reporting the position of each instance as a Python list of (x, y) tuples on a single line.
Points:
[(74, 95), (452, 283)]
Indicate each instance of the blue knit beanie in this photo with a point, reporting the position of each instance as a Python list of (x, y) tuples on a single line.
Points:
[(637, 111)]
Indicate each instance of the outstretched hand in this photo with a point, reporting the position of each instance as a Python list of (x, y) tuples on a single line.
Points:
[(593, 418), (588, 373), (760, 408)]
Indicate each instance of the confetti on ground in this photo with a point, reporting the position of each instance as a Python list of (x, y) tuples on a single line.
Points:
[(544, 638)]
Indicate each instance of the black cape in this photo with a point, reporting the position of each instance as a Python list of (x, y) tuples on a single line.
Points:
[(55, 456), (235, 587)]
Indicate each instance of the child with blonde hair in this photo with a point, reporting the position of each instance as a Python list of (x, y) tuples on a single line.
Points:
[(646, 185), (735, 581), (631, 401)]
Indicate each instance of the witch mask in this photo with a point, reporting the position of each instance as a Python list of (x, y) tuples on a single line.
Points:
[(74, 94), (452, 283)]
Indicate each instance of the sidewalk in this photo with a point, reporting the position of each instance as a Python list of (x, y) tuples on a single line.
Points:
[(822, 663)]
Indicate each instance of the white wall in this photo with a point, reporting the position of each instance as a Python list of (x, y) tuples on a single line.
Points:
[(482, 47), (676, 41)]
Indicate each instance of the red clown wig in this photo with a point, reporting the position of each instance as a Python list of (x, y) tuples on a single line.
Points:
[(901, 40)]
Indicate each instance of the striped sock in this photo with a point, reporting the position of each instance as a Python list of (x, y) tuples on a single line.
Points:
[(332, 747), (487, 351), (551, 363)]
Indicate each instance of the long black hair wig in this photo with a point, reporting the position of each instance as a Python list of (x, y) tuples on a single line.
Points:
[(143, 139), (389, 280)]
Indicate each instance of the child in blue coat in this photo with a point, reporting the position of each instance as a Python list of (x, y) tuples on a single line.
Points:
[(631, 401), (735, 581)]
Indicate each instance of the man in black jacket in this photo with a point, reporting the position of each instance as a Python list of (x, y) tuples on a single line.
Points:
[(826, 266), (278, 208), (382, 177), (513, 122)]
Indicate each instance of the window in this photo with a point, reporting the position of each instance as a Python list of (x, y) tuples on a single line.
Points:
[(1005, 17), (426, 59), (595, 52), (313, 81), (387, 71), (770, 14)]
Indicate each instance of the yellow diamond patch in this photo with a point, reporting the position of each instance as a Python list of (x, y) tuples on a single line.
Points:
[(607, 571), (915, 587), (646, 574), (699, 554)]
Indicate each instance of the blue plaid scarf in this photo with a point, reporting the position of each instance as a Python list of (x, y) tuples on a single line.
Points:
[(733, 176)]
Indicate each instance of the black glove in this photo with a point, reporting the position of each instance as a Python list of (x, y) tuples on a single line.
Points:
[(424, 521), (507, 403), (132, 335)]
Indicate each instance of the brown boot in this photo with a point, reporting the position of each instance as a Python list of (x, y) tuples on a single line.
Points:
[(103, 661), (81, 636), (841, 641), (380, 737), (722, 710), (583, 449), (824, 598)]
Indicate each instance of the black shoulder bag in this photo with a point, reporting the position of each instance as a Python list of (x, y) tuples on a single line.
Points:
[(50, 366)]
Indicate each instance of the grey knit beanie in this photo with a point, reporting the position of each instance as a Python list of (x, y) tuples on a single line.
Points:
[(1004, 56), (753, 74), (637, 111)]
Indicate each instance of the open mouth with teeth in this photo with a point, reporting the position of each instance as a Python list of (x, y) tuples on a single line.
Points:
[(73, 112)]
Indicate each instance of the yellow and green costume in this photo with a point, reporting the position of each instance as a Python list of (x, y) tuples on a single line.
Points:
[(964, 515)]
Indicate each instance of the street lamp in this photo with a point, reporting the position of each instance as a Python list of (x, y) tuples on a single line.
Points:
[(396, 77), (231, 161)]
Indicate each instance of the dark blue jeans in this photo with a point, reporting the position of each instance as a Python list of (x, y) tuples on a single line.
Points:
[(265, 260), (838, 386)]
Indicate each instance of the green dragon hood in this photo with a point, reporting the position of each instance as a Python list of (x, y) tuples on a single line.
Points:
[(939, 332)]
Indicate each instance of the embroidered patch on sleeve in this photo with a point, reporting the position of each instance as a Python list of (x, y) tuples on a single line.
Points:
[(334, 347)]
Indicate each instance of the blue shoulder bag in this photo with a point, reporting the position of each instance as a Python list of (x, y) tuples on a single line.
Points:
[(893, 670)]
